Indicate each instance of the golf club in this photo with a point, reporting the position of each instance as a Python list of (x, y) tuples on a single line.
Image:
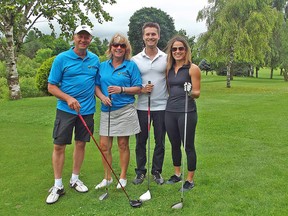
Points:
[(147, 196), (105, 195), (133, 203), (187, 89)]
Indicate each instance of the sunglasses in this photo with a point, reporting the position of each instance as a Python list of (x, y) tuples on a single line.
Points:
[(116, 45), (174, 49)]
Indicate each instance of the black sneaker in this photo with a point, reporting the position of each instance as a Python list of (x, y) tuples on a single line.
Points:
[(158, 178), (139, 179), (187, 186), (173, 179)]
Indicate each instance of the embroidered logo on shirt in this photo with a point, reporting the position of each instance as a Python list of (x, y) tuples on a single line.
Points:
[(123, 73), (91, 66)]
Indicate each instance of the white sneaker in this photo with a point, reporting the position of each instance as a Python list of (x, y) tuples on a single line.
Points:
[(123, 183), (55, 193), (78, 186), (104, 183)]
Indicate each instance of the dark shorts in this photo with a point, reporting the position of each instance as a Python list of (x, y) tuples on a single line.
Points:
[(64, 125)]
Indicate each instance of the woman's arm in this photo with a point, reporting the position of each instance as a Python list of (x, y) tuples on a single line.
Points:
[(105, 100), (195, 74)]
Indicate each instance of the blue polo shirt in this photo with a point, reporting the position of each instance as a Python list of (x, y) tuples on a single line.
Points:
[(126, 75), (76, 77)]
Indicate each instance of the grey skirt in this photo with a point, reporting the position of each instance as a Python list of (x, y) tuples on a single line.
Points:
[(123, 122)]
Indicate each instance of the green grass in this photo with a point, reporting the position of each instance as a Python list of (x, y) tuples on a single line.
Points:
[(241, 144)]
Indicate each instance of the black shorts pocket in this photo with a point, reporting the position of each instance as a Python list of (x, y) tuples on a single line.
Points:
[(56, 128)]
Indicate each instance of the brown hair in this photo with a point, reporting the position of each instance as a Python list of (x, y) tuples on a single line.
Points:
[(151, 25), (119, 38), (170, 59)]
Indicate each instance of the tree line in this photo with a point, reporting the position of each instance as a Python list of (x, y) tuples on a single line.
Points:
[(249, 31)]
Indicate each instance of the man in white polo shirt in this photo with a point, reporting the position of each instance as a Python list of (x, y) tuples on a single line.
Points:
[(152, 64)]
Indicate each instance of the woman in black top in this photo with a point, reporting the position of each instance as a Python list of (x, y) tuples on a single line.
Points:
[(180, 69)]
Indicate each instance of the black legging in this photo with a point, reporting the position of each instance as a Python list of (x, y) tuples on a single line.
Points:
[(174, 123)]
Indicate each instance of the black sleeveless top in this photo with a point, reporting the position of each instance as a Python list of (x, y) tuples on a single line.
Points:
[(176, 99)]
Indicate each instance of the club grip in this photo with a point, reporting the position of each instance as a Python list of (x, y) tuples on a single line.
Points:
[(149, 82)]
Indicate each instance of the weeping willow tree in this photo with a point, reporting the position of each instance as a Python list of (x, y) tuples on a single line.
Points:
[(237, 31)]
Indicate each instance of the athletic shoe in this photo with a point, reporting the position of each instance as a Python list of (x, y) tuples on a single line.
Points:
[(104, 183), (173, 179), (158, 178), (123, 183), (187, 186), (139, 179), (55, 193), (78, 186)]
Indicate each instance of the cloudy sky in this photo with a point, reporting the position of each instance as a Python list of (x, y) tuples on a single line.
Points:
[(184, 13)]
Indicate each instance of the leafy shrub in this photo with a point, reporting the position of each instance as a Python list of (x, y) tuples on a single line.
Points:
[(102, 58), (42, 75), (4, 91), (42, 55), (26, 67), (237, 69), (29, 89), (2, 69)]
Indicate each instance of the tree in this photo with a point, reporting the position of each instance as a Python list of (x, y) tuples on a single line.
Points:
[(274, 56), (237, 31), (17, 17), (150, 14), (42, 55), (190, 40), (31, 45), (59, 45), (98, 47), (284, 46), (26, 67), (34, 42)]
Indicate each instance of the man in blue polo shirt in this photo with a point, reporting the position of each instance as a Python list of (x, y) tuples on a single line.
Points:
[(72, 80)]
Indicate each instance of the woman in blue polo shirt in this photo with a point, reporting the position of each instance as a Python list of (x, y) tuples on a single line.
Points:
[(118, 81)]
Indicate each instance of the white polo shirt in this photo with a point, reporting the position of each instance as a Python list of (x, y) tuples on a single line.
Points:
[(154, 71)]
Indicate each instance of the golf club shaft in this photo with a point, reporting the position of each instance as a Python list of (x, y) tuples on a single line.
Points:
[(184, 142), (109, 117), (85, 125), (149, 122), (108, 134)]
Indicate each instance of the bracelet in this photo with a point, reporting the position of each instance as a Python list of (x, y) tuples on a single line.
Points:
[(124, 89), (121, 90)]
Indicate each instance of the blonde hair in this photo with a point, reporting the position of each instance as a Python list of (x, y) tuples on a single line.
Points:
[(170, 59), (121, 39)]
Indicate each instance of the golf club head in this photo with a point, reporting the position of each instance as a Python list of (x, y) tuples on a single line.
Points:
[(103, 196), (177, 205), (135, 203), (146, 196)]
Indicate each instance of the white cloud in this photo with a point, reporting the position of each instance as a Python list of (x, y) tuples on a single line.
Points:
[(184, 13)]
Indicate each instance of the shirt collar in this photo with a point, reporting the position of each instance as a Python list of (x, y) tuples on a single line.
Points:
[(159, 53), (88, 54)]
